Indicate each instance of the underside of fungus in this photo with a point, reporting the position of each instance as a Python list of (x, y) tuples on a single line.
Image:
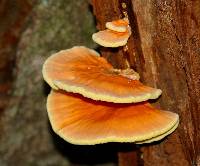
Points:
[(82, 70), (80, 120)]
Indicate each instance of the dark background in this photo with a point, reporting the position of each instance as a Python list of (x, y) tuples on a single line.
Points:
[(30, 31)]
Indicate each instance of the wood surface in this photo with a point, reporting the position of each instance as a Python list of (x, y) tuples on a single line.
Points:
[(165, 49)]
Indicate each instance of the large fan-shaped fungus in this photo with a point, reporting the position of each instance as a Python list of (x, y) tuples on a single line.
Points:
[(80, 70), (80, 120)]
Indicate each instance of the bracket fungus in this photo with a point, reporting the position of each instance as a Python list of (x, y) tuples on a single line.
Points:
[(82, 70), (118, 25), (80, 120), (116, 35), (92, 103)]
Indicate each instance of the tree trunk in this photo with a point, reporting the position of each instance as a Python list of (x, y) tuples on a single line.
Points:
[(165, 49)]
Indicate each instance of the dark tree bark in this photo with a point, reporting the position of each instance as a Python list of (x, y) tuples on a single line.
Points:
[(12, 18), (165, 49)]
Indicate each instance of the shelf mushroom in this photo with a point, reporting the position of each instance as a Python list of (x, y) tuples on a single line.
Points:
[(118, 25), (116, 35), (92, 103), (82, 70), (83, 121)]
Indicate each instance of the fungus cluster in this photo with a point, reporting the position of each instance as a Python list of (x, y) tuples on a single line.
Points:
[(116, 34), (92, 103)]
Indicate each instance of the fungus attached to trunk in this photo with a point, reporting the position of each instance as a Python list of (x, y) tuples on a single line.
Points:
[(116, 35), (110, 38), (110, 116), (80, 120), (82, 70), (118, 25)]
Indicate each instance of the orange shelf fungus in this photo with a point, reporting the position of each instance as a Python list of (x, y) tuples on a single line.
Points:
[(80, 120), (116, 35), (109, 38), (82, 70), (118, 25), (92, 102)]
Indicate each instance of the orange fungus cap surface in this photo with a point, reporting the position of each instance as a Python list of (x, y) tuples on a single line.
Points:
[(110, 38), (118, 25), (80, 120), (80, 70)]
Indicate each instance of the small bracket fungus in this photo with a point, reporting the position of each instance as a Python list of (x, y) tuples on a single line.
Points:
[(80, 120), (109, 38), (118, 25), (116, 35), (82, 70)]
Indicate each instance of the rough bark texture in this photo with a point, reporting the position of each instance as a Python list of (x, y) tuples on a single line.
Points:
[(165, 49), (30, 31)]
